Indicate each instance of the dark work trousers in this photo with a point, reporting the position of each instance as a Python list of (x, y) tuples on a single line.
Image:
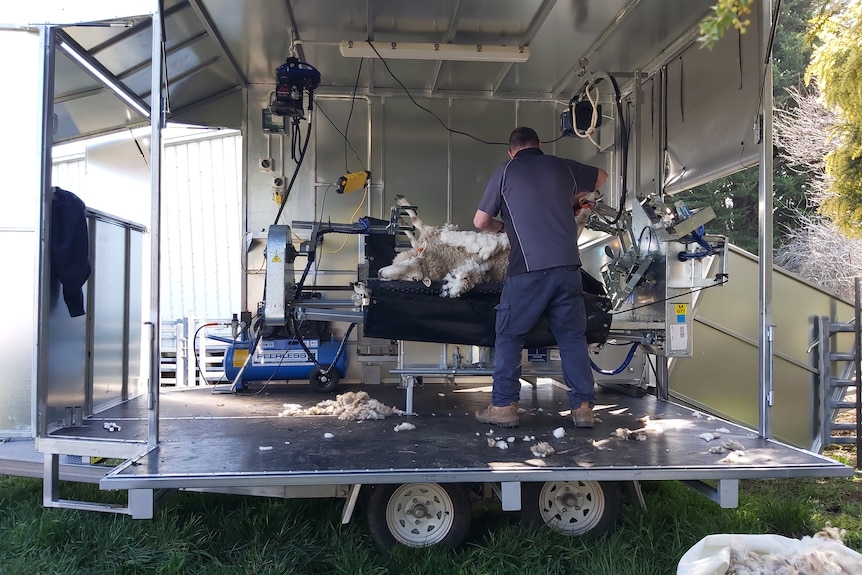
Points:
[(525, 297)]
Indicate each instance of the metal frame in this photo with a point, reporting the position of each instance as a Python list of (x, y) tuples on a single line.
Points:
[(141, 502)]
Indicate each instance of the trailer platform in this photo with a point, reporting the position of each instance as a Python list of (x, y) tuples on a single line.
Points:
[(216, 441)]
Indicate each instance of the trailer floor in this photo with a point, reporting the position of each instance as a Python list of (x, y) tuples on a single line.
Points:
[(221, 440)]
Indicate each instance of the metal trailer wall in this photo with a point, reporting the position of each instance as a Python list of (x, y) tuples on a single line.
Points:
[(19, 164), (94, 360), (726, 354)]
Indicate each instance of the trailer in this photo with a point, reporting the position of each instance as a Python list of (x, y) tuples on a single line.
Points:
[(345, 106)]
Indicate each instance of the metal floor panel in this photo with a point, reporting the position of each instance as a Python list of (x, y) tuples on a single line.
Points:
[(214, 440)]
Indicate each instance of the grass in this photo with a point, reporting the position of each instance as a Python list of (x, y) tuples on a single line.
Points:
[(221, 534)]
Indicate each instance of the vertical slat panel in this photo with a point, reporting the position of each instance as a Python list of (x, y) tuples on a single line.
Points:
[(202, 238)]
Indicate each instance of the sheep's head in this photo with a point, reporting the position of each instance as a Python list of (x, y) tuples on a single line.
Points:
[(410, 266)]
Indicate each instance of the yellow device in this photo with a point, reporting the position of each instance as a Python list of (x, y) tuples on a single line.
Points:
[(352, 182)]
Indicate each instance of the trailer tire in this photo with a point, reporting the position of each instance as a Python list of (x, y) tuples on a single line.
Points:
[(324, 382), (572, 508), (419, 514)]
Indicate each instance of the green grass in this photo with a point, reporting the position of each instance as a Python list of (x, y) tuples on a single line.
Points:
[(220, 534)]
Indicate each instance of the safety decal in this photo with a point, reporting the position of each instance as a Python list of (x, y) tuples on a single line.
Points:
[(681, 310), (239, 357), (276, 259)]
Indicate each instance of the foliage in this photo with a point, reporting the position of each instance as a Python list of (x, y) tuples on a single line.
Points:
[(836, 67), (816, 248), (726, 14)]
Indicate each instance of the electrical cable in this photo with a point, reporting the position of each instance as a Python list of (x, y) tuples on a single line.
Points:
[(311, 356), (724, 280), (257, 336), (198, 370), (337, 129), (295, 171), (353, 215), (350, 115), (421, 107), (588, 133), (622, 366)]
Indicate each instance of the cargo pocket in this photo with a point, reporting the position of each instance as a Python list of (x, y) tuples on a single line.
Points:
[(504, 311)]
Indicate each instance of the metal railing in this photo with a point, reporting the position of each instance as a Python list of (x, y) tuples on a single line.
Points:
[(834, 389)]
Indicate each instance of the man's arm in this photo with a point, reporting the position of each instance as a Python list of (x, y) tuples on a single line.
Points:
[(484, 221), (601, 178)]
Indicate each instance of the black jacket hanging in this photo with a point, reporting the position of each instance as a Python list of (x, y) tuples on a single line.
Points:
[(70, 248)]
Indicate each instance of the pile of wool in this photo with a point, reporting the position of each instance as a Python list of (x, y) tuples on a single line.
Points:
[(822, 554), (350, 406)]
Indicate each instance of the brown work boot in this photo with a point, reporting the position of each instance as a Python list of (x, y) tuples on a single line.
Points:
[(502, 416), (583, 416)]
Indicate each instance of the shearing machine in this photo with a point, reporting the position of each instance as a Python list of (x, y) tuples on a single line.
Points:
[(645, 260)]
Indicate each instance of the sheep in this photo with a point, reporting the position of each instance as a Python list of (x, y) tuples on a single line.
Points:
[(462, 259)]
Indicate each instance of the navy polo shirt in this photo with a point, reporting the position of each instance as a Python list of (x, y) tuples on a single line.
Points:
[(534, 195)]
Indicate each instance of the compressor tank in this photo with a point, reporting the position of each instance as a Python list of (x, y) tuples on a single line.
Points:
[(285, 359)]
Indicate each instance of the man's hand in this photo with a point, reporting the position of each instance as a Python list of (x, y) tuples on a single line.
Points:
[(583, 200)]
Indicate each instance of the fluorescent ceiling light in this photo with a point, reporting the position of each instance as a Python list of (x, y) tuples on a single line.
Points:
[(431, 51), (106, 79)]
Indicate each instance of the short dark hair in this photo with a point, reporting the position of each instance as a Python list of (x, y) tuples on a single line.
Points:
[(523, 138)]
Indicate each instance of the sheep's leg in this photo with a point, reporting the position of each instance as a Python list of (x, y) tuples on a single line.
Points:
[(463, 278), (414, 217), (413, 241)]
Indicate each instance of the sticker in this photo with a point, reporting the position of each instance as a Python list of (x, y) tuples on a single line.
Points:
[(537, 355), (276, 259), (239, 357), (681, 309), (678, 337)]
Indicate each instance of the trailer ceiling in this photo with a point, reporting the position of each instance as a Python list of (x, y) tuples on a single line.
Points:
[(215, 48)]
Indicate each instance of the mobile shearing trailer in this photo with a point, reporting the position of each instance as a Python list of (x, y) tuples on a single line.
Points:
[(344, 105)]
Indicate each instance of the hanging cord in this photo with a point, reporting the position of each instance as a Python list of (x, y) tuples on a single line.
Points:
[(198, 369), (593, 100), (623, 365), (295, 171)]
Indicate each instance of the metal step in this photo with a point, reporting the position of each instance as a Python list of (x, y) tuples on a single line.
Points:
[(843, 426), (842, 404), (842, 356), (841, 327), (838, 382), (842, 439)]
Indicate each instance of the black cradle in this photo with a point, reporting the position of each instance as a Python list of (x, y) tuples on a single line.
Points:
[(407, 310)]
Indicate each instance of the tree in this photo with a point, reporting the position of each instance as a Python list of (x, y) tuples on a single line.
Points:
[(816, 249), (726, 14), (836, 68)]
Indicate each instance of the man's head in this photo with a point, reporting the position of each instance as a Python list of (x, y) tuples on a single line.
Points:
[(522, 138)]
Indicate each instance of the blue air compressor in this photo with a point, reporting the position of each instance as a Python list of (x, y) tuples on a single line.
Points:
[(318, 360)]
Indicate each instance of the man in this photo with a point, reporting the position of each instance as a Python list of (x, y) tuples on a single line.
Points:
[(536, 196)]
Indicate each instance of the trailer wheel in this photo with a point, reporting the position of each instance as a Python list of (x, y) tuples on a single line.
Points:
[(324, 382), (572, 508), (419, 514)]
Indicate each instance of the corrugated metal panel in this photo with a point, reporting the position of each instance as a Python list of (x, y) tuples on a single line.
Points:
[(71, 175), (202, 238)]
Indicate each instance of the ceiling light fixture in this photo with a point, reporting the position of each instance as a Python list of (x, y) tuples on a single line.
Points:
[(434, 51), (104, 77)]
